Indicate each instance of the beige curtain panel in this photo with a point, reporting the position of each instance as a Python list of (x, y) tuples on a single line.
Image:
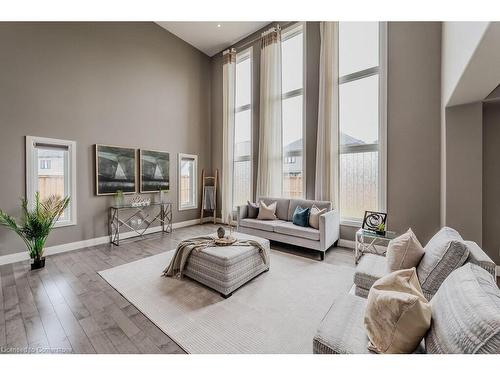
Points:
[(269, 177), (228, 99)]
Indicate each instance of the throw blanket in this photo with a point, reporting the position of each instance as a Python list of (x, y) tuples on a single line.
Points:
[(185, 248)]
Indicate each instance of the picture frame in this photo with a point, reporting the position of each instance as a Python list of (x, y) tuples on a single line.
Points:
[(372, 221), (115, 169), (154, 171)]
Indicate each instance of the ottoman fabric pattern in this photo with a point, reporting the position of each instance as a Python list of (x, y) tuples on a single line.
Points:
[(227, 268)]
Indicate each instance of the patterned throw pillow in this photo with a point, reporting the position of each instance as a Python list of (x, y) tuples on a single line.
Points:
[(314, 215), (267, 212), (301, 216)]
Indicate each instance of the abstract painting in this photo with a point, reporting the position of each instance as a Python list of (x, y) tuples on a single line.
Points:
[(115, 169), (155, 171)]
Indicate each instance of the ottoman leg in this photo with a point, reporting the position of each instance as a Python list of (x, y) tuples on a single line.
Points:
[(322, 255), (225, 296)]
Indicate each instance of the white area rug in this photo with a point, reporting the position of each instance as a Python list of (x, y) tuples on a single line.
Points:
[(277, 312)]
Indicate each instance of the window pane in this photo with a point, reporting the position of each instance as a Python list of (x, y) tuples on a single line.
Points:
[(359, 184), (187, 174), (52, 180), (292, 147), (242, 134), (243, 82), (358, 46), (359, 112), (242, 182), (291, 57)]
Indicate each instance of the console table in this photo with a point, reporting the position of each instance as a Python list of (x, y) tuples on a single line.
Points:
[(371, 242), (122, 216)]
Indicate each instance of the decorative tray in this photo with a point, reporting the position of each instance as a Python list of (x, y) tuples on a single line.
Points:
[(225, 241)]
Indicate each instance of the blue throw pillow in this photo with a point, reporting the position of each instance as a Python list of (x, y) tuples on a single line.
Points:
[(301, 216)]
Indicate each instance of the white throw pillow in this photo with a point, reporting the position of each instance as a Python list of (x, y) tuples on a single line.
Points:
[(314, 215), (397, 314), (267, 212), (404, 252)]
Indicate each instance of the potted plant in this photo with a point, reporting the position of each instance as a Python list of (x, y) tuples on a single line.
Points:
[(380, 229), (36, 223), (119, 198)]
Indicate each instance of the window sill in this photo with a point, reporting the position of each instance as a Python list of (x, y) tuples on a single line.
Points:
[(351, 223), (61, 224), (187, 208)]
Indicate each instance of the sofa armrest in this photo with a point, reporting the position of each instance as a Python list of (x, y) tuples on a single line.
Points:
[(329, 229), (479, 257), (242, 213)]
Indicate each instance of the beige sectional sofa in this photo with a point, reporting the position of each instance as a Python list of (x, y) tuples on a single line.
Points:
[(283, 230)]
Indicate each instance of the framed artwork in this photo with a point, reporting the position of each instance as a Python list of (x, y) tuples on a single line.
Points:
[(374, 221), (154, 171), (116, 169)]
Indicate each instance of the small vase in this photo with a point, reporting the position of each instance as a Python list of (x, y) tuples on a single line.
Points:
[(38, 263)]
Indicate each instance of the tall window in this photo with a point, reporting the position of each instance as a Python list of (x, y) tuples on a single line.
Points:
[(188, 182), (292, 86), (361, 118), (242, 175), (51, 170)]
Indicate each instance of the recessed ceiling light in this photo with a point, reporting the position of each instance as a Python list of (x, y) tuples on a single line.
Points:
[(218, 25)]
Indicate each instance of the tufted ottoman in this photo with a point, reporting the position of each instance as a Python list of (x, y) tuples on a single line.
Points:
[(226, 268)]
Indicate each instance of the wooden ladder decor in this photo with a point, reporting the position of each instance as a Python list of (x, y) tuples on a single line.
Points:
[(209, 181)]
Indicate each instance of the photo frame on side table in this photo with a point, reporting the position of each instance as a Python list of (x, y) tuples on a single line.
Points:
[(375, 222), (116, 169)]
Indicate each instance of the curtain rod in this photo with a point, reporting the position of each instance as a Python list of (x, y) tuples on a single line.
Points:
[(258, 38)]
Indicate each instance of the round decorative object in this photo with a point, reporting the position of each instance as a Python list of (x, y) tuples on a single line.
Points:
[(221, 232), (225, 241)]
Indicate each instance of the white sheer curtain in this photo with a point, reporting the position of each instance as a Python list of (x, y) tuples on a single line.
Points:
[(228, 98), (270, 169), (327, 151)]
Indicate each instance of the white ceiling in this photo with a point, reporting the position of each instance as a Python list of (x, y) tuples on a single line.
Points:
[(208, 37)]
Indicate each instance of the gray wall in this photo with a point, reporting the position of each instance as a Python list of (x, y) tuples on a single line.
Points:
[(464, 170), (414, 59), (491, 180), (130, 84)]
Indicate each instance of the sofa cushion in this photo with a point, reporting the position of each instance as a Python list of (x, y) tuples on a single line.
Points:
[(282, 205), (252, 210), (397, 314), (342, 331), (465, 314), (314, 215), (267, 225), (267, 212), (301, 216), (371, 267), (297, 231), (304, 203), (404, 252), (444, 253)]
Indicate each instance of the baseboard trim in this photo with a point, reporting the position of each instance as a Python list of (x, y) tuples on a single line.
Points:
[(56, 249), (346, 243)]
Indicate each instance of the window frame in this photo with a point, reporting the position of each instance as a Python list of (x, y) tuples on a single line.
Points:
[(287, 33), (240, 57), (32, 174), (381, 147), (193, 206)]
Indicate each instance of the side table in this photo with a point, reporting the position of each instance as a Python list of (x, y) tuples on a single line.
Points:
[(155, 212), (370, 242)]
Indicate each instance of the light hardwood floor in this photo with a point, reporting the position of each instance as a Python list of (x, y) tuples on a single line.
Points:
[(68, 308)]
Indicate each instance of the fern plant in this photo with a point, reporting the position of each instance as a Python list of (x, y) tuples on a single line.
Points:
[(37, 222)]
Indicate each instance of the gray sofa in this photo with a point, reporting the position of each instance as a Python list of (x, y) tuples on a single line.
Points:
[(465, 318), (283, 230), (445, 252)]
